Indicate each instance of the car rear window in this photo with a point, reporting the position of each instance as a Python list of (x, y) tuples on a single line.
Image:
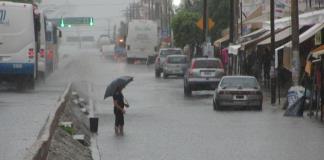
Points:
[(245, 82), (207, 64), (165, 53), (177, 60)]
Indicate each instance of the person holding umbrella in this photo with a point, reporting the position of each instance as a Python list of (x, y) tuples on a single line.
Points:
[(115, 90), (119, 111)]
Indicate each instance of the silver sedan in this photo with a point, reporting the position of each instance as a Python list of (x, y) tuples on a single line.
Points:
[(175, 65), (238, 92)]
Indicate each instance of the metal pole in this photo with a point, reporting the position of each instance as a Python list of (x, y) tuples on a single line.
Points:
[(205, 20), (295, 42), (231, 21), (272, 50), (241, 13)]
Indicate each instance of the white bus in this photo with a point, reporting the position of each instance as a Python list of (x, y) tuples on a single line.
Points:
[(19, 32), (142, 39)]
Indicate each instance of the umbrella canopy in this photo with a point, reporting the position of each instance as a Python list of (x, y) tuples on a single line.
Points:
[(117, 83)]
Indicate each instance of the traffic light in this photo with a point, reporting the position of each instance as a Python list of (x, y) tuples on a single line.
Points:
[(91, 21), (62, 22)]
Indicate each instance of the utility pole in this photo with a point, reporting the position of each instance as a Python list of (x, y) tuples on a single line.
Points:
[(295, 42), (234, 13), (272, 51), (205, 21), (231, 32)]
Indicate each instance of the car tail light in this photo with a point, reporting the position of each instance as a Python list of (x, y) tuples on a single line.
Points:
[(221, 92), (31, 53), (42, 53)]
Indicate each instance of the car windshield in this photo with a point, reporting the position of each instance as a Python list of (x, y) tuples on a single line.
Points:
[(245, 82), (207, 64), (165, 53), (177, 60)]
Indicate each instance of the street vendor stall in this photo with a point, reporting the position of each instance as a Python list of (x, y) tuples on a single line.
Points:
[(318, 73)]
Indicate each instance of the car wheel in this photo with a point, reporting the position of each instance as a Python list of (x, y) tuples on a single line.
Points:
[(129, 61), (187, 91), (157, 74), (31, 83), (259, 108), (165, 76), (216, 106)]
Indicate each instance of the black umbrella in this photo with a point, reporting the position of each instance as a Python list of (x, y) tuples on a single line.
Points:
[(119, 82)]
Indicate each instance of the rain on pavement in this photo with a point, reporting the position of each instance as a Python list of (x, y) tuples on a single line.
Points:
[(161, 123)]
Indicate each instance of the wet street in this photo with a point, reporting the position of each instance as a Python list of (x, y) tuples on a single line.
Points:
[(161, 123)]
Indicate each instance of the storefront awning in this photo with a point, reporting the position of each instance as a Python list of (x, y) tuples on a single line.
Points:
[(308, 18), (252, 35), (278, 37), (302, 38), (316, 53), (247, 45), (218, 42)]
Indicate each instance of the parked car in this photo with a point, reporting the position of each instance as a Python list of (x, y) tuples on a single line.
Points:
[(161, 57), (238, 92), (203, 74), (175, 65)]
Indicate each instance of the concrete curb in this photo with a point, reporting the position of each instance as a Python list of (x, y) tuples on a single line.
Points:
[(92, 114), (39, 150)]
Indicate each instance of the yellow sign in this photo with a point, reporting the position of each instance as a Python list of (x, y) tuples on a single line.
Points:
[(200, 24)]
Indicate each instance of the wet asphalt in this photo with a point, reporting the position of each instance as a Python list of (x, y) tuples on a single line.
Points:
[(161, 123)]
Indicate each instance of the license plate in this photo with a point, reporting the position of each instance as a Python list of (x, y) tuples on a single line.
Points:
[(239, 97), (207, 74)]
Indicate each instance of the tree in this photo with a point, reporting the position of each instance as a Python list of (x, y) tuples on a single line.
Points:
[(218, 11), (184, 28)]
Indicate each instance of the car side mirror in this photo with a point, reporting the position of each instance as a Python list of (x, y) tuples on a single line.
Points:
[(128, 47)]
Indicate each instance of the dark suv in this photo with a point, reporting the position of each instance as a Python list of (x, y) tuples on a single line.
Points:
[(204, 74)]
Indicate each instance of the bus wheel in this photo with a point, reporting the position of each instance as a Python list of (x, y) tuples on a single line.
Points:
[(21, 83), (31, 82), (129, 61)]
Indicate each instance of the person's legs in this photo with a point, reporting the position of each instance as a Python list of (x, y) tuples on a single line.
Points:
[(119, 122), (116, 130), (116, 121), (121, 130)]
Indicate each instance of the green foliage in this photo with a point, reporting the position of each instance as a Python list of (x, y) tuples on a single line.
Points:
[(218, 11), (185, 29), (69, 130)]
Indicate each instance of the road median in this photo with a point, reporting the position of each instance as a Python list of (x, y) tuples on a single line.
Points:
[(66, 132)]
